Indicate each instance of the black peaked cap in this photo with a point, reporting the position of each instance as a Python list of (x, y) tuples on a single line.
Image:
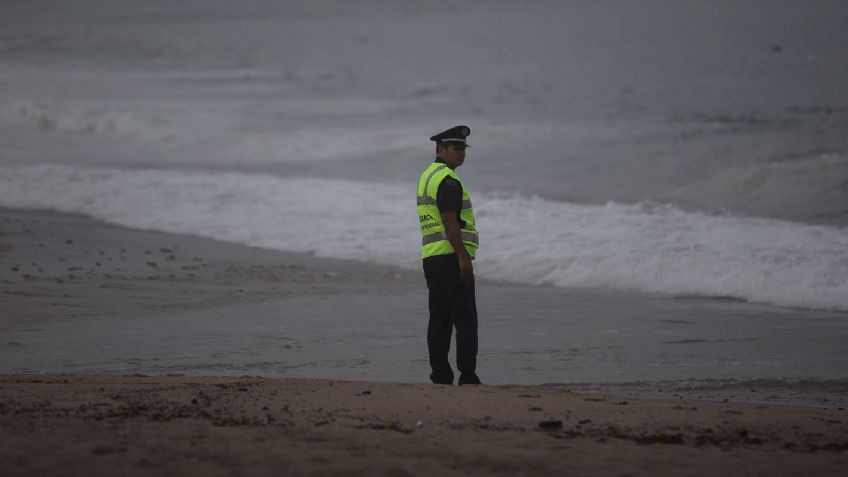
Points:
[(456, 134)]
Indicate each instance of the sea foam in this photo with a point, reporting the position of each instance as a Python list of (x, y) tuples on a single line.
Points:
[(648, 247)]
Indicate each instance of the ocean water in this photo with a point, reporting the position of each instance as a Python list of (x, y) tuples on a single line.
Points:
[(676, 147)]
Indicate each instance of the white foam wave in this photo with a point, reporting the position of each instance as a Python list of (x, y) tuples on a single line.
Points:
[(655, 248)]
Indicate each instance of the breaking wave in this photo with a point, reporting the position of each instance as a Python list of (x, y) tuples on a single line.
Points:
[(649, 247)]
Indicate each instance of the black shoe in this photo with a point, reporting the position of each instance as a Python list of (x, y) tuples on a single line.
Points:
[(443, 378), (469, 380)]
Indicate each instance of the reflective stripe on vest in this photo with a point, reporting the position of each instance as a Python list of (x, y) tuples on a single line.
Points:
[(432, 173), (426, 200), (432, 238)]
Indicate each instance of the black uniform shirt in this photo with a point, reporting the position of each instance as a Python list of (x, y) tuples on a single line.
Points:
[(449, 196)]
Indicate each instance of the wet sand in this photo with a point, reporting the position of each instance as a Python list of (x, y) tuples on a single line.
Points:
[(87, 297), (65, 267)]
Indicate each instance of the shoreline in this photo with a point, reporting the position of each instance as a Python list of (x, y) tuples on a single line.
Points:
[(133, 301), (102, 425)]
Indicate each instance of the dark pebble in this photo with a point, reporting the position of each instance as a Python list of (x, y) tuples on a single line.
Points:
[(550, 424)]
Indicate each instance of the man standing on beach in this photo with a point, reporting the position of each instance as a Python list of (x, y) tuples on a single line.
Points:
[(449, 244)]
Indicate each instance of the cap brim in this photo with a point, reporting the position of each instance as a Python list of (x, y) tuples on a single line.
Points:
[(455, 142)]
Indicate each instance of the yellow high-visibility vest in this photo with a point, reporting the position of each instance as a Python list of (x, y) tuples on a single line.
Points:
[(434, 240)]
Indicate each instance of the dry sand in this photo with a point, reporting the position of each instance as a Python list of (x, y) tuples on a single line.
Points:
[(94, 425)]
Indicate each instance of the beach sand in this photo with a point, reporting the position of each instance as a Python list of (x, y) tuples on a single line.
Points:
[(77, 291), (128, 425)]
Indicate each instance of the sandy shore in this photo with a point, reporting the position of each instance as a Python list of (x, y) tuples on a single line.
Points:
[(94, 425), (87, 297), (80, 294), (61, 267)]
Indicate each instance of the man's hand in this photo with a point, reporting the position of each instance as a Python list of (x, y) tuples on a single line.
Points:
[(466, 270)]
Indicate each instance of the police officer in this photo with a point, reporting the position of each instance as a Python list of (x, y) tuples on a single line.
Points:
[(449, 244)]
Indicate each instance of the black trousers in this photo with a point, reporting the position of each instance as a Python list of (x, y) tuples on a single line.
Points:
[(452, 305)]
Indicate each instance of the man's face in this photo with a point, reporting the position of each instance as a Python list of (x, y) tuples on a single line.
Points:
[(452, 154)]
